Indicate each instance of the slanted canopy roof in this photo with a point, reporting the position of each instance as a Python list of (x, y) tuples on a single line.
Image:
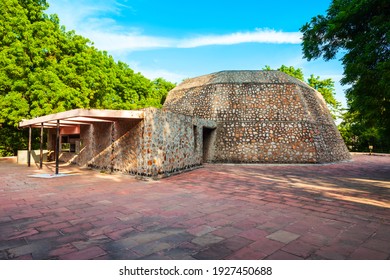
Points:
[(82, 116)]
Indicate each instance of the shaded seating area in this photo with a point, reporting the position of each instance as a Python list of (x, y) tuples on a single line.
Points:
[(71, 120)]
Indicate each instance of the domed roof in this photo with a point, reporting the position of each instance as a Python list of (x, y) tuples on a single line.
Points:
[(262, 116), (239, 77)]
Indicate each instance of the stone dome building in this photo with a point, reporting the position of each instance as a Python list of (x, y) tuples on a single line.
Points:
[(261, 116), (229, 116)]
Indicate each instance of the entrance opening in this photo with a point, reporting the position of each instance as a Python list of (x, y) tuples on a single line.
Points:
[(208, 144), (195, 130)]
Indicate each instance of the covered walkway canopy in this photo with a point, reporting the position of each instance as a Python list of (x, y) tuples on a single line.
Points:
[(74, 118)]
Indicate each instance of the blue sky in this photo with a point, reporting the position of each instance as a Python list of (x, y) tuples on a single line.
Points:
[(182, 39)]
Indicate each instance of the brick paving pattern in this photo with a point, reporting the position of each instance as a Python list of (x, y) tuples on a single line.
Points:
[(334, 211)]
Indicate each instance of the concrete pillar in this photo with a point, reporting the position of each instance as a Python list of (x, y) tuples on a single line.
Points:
[(57, 146), (41, 149), (29, 146)]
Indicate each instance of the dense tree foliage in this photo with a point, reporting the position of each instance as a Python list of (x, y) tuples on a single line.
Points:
[(294, 72), (325, 87), (327, 90), (360, 31), (45, 69)]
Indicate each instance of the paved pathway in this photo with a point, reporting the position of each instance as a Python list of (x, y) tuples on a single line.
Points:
[(335, 211)]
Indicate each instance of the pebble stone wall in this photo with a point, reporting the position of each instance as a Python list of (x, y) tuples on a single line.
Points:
[(160, 144), (261, 116), (171, 142)]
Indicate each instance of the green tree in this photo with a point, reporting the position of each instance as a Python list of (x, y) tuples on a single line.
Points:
[(360, 31), (294, 72), (358, 136), (161, 87), (289, 70), (31, 51), (327, 90), (267, 68), (45, 69)]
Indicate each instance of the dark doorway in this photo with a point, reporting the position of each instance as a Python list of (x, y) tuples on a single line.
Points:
[(208, 144)]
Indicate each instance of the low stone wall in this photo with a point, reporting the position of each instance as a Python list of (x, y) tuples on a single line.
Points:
[(113, 146), (35, 156), (161, 144), (171, 142)]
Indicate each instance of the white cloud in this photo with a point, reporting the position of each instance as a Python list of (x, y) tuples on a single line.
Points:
[(83, 13), (95, 19), (127, 42), (157, 72), (162, 73), (257, 36), (135, 41)]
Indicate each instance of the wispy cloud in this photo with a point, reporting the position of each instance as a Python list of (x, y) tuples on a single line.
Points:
[(135, 41), (168, 75), (86, 14), (127, 42), (258, 36), (95, 19)]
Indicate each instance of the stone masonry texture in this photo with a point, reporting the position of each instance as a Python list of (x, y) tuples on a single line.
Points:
[(158, 145), (261, 116), (227, 117)]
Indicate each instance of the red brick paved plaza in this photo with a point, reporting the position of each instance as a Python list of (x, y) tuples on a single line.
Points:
[(333, 211)]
